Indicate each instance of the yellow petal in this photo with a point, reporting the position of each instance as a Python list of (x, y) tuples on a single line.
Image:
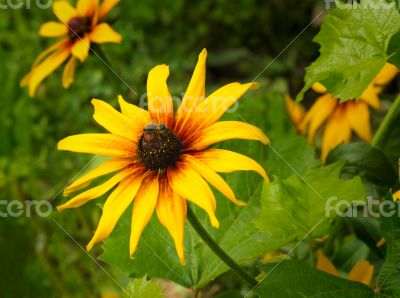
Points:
[(324, 264), (113, 121), (114, 207), (81, 47), (194, 94), (140, 116), (64, 11), (212, 177), (171, 212), (159, 99), (296, 110), (53, 29), (133, 112), (316, 116), (86, 8), (106, 6), (337, 131), (101, 170), (357, 114), (225, 161), (143, 208), (318, 87), (396, 196), (58, 45), (362, 272), (370, 96), (226, 130), (96, 191), (104, 33), (215, 105), (48, 66), (68, 74), (387, 73), (99, 144), (183, 180)]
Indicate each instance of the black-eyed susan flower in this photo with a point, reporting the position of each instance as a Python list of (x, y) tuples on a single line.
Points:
[(362, 271), (162, 159), (343, 118), (77, 27)]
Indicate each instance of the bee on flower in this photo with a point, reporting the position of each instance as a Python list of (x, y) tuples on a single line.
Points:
[(161, 159), (77, 27), (342, 119)]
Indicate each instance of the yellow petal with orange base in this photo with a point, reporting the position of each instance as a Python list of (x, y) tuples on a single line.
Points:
[(171, 212), (212, 177), (114, 207), (159, 99), (143, 208), (183, 180), (225, 161)]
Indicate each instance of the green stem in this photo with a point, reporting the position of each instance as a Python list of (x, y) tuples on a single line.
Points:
[(218, 250), (382, 135)]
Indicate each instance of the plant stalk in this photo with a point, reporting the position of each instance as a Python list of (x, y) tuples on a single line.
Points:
[(382, 135), (218, 250)]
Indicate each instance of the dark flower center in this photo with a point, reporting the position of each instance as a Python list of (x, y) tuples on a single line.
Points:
[(78, 27), (158, 147)]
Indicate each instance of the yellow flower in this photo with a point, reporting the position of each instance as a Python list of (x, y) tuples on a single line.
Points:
[(78, 27), (161, 159), (343, 118), (362, 271)]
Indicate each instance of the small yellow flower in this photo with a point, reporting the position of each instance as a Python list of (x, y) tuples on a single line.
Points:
[(362, 271), (78, 27), (343, 118), (161, 159)]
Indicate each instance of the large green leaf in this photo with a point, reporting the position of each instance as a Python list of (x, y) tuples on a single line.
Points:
[(389, 276), (295, 279), (354, 41), (301, 207)]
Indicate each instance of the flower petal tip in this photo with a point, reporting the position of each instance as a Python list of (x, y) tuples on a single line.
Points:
[(89, 246), (60, 208), (183, 261), (254, 86)]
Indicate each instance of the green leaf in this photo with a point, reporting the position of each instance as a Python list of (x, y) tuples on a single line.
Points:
[(354, 40), (300, 207), (296, 279), (143, 288), (366, 161), (389, 276)]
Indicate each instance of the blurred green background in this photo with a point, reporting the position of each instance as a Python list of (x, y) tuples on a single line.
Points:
[(38, 258)]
